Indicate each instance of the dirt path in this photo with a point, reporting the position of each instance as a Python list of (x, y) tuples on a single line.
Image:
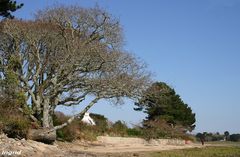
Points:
[(124, 145), (127, 148)]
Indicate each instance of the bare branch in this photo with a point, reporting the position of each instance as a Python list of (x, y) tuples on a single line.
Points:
[(69, 101)]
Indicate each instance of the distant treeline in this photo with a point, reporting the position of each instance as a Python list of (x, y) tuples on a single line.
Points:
[(218, 137)]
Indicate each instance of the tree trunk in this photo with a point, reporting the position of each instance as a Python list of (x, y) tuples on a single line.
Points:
[(46, 114), (42, 135)]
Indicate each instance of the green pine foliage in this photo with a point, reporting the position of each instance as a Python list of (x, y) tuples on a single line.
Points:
[(160, 102), (7, 7)]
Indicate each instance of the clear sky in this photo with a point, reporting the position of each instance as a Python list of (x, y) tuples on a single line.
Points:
[(193, 45)]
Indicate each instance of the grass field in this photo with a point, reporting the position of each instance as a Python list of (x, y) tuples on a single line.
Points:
[(224, 143), (226, 151)]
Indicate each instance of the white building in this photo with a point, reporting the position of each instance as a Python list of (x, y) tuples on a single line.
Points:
[(87, 119)]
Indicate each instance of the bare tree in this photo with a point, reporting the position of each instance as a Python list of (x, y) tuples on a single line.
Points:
[(67, 54)]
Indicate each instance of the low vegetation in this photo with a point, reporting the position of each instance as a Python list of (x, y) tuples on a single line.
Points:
[(13, 122), (78, 130)]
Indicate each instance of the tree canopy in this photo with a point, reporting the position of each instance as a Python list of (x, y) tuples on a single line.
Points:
[(67, 54), (161, 102)]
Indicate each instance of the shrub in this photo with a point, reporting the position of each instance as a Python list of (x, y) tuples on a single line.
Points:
[(135, 132), (16, 126), (159, 128), (235, 137), (1, 127), (101, 123), (75, 130), (12, 122), (68, 133), (88, 132), (155, 129), (189, 137), (119, 128)]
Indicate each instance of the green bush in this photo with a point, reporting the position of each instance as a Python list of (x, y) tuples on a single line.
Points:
[(101, 123), (119, 128), (235, 137), (68, 133), (134, 132)]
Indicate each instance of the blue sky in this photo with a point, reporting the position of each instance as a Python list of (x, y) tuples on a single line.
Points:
[(193, 45)]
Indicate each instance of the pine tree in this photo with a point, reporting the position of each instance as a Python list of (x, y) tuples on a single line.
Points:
[(161, 102), (7, 7)]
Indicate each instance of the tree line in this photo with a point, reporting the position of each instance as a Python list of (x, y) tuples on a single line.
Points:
[(208, 136)]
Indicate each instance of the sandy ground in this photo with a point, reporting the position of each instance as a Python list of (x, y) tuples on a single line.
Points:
[(103, 147), (123, 145), (125, 148)]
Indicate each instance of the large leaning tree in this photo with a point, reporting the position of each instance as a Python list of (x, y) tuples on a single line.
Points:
[(65, 55)]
